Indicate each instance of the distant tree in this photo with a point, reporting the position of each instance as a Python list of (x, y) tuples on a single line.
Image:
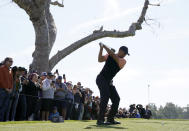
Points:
[(160, 114), (154, 110), (186, 112), (45, 31)]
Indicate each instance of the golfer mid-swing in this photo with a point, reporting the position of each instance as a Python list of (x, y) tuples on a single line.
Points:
[(113, 64)]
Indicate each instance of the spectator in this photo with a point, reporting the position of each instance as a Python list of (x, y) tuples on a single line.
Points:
[(132, 108), (54, 114), (88, 107), (1, 63), (11, 111), (32, 97), (81, 105), (148, 114), (6, 85), (48, 89), (141, 110), (120, 113), (60, 96), (69, 100), (77, 101), (43, 77), (126, 113), (22, 104), (95, 107), (137, 114)]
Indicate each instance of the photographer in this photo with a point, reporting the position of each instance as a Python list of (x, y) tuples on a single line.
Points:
[(77, 101), (48, 89), (81, 105), (131, 111), (148, 113), (141, 110)]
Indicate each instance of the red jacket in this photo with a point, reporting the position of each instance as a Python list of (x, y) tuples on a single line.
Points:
[(6, 78)]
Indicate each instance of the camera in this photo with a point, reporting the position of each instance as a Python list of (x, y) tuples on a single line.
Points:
[(64, 76)]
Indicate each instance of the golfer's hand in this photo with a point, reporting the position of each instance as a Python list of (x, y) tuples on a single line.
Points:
[(101, 45)]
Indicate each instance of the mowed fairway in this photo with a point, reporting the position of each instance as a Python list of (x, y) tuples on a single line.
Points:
[(127, 125)]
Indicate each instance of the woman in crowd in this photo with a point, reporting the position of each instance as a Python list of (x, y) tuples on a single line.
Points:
[(32, 95), (69, 100)]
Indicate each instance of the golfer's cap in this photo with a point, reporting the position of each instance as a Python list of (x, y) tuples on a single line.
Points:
[(50, 74), (124, 49), (44, 74)]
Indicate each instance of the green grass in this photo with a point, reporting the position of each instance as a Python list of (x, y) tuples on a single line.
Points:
[(127, 125)]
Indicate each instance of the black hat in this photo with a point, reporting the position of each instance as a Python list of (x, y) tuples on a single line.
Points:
[(124, 49)]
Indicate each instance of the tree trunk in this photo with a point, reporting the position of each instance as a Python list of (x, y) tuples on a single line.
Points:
[(45, 31), (42, 46)]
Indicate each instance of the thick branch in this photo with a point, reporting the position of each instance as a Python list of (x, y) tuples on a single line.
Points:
[(98, 35)]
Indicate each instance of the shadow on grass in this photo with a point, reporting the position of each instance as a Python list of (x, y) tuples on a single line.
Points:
[(104, 127), (86, 121), (149, 122)]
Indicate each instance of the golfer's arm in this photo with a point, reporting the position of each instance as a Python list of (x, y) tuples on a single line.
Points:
[(111, 53), (100, 57)]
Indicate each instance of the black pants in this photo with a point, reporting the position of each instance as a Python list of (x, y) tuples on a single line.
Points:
[(69, 109), (107, 91), (33, 107)]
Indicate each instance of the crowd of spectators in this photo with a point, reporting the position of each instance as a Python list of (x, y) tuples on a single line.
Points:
[(31, 96), (135, 112)]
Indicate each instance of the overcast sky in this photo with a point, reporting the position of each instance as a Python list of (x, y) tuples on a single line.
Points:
[(159, 52)]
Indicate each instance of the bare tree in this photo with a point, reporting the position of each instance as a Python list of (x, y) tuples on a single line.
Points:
[(45, 31)]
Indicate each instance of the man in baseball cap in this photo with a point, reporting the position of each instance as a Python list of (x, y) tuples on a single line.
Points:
[(123, 50)]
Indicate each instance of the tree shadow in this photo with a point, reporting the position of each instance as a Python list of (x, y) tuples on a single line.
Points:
[(104, 127)]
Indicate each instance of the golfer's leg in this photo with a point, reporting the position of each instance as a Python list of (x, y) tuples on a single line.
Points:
[(104, 97), (115, 103)]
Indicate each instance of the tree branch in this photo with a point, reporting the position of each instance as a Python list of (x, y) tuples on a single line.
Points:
[(98, 35), (57, 3)]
